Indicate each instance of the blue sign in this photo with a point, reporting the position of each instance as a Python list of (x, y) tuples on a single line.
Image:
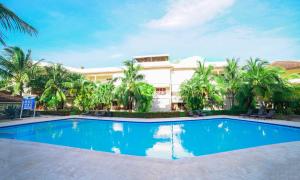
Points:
[(28, 103)]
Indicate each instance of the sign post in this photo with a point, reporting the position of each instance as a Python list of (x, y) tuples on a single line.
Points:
[(28, 103)]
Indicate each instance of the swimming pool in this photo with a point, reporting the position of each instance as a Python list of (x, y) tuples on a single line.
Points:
[(167, 140)]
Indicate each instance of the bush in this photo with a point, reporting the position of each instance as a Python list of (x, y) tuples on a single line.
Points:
[(12, 112), (225, 112), (56, 113), (148, 114)]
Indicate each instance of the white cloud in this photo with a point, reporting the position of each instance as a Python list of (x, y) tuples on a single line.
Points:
[(188, 13), (239, 42), (207, 41)]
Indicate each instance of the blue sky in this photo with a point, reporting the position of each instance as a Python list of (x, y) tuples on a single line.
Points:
[(100, 33)]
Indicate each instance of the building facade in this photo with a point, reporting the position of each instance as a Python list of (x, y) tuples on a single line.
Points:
[(164, 75)]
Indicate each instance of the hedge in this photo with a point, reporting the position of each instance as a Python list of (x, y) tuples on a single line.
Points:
[(144, 114), (60, 113), (223, 112), (148, 114)]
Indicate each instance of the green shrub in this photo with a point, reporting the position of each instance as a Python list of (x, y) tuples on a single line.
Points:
[(12, 112), (224, 112), (148, 114), (56, 113)]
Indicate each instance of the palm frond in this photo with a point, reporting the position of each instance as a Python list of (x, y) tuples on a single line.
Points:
[(11, 22)]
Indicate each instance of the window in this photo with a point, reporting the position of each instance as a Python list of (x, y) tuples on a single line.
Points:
[(161, 91)]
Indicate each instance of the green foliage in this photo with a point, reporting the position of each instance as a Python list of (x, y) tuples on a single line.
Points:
[(54, 93), (231, 112), (201, 91), (104, 94), (261, 80), (85, 97), (256, 82), (11, 112), (231, 80), (57, 112), (144, 96), (9, 21), (133, 93), (286, 99), (15, 69), (38, 80), (148, 114)]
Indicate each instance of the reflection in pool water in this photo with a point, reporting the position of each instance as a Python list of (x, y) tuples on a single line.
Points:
[(168, 140)]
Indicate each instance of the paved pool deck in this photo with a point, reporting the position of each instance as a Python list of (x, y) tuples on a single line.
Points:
[(30, 160)]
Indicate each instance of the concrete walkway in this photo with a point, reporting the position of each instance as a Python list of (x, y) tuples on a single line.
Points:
[(29, 160)]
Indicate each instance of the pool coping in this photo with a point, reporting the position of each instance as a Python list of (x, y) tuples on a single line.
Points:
[(146, 120)]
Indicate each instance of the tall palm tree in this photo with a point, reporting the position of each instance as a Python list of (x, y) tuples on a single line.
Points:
[(232, 79), (9, 21), (15, 69), (127, 90)]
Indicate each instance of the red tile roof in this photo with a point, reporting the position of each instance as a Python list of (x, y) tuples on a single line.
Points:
[(287, 64), (7, 97)]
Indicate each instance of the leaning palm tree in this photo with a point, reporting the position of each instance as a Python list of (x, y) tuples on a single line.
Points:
[(9, 21), (15, 69)]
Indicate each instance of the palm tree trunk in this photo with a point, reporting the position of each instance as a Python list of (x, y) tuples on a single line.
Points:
[(130, 104), (21, 89), (232, 99)]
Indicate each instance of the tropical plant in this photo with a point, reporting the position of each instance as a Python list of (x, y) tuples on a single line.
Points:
[(38, 80), (9, 21), (73, 83), (85, 98), (15, 69), (232, 79), (105, 94), (127, 91), (144, 96), (261, 80), (54, 93), (11, 112), (286, 96), (201, 90)]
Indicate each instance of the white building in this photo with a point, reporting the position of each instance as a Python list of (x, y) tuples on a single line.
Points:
[(164, 75)]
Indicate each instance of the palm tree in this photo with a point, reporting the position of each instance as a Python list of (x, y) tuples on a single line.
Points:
[(54, 93), (144, 96), (15, 69), (105, 94), (201, 90), (9, 21), (85, 98), (232, 79), (261, 79), (127, 90)]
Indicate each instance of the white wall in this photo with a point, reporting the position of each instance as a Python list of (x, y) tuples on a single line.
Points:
[(178, 77), (161, 104), (157, 77)]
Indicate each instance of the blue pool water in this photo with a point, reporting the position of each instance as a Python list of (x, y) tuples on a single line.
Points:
[(169, 140)]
